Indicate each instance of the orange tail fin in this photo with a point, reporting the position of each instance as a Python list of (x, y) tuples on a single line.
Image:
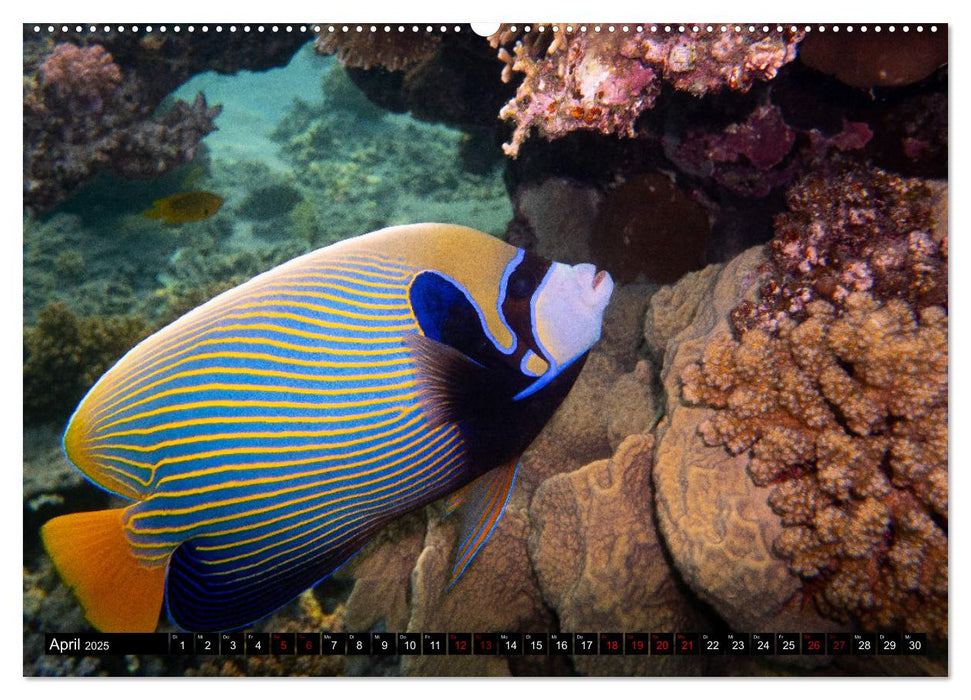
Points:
[(117, 592)]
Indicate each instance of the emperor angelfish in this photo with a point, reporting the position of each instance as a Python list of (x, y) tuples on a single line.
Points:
[(266, 436)]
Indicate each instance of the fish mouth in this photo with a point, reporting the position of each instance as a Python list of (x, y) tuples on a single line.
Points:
[(600, 289), (599, 278)]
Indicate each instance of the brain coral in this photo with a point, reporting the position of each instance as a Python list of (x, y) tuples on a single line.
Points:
[(844, 417)]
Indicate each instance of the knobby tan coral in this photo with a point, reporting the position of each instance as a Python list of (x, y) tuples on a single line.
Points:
[(366, 49), (844, 417)]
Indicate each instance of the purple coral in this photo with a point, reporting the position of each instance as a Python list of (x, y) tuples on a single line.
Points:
[(81, 75), (83, 114), (751, 158), (603, 80)]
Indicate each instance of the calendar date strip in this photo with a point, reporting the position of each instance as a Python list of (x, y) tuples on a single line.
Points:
[(487, 644)]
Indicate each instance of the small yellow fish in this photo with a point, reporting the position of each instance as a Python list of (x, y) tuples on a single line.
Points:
[(185, 206)]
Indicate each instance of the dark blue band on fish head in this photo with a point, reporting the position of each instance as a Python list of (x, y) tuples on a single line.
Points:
[(447, 314)]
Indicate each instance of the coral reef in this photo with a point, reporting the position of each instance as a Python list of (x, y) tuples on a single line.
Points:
[(91, 102), (834, 395), (87, 74), (603, 81), (592, 530), (359, 174), (392, 51), (449, 78), (851, 229), (755, 156), (760, 445), (717, 526), (844, 415), (81, 116), (64, 355)]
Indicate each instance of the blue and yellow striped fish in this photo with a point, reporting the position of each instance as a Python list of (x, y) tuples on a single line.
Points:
[(267, 435)]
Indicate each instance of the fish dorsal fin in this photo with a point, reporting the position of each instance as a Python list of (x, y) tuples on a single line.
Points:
[(452, 386), (482, 503)]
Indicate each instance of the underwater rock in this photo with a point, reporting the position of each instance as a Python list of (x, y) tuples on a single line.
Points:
[(557, 216), (340, 92), (910, 137), (649, 226), (381, 575), (50, 606), (393, 51), (754, 156), (270, 202), (599, 561), (450, 78), (875, 60), (495, 594), (581, 80)]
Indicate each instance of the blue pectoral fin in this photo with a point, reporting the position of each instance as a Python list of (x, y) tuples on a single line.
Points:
[(483, 502)]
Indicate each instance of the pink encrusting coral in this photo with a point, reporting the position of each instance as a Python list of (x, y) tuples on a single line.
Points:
[(602, 80), (84, 72), (852, 229)]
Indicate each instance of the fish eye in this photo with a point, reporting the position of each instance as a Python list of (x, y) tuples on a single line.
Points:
[(521, 283)]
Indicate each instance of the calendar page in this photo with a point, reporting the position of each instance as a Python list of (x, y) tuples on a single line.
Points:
[(549, 349)]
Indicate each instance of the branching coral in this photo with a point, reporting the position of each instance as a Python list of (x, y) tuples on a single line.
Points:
[(92, 101), (603, 80), (844, 416), (848, 231)]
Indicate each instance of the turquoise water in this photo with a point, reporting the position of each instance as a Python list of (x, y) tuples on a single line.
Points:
[(254, 103), (301, 159)]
